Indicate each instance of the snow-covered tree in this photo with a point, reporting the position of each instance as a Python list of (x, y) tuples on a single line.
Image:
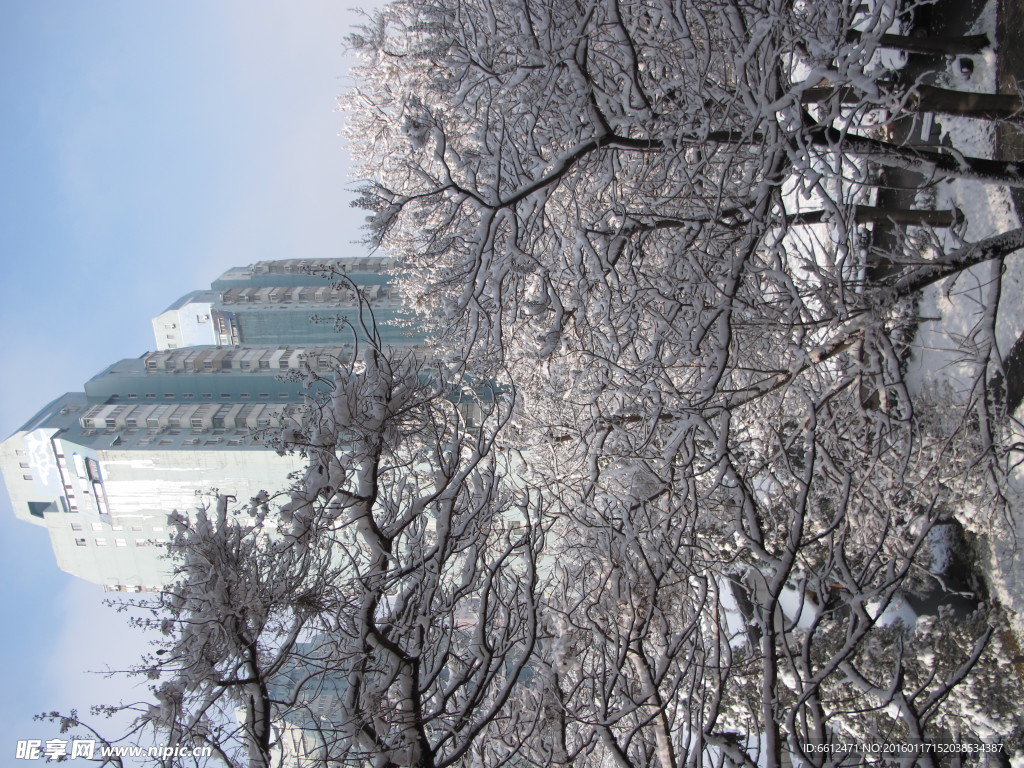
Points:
[(439, 545), (383, 611), (649, 215), (696, 492)]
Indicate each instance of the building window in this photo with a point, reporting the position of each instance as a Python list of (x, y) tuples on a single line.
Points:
[(76, 526), (26, 477), (120, 542), (101, 542), (81, 542), (150, 395), (207, 395), (133, 396)]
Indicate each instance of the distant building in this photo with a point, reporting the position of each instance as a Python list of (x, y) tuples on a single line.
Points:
[(312, 722), (102, 469), (276, 302)]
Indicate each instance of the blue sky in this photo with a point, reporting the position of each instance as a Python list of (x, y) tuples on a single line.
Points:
[(145, 147)]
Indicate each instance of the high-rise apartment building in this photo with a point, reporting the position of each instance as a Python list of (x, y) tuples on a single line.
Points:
[(102, 469), (275, 302)]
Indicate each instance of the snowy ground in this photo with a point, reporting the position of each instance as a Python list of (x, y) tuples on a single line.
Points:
[(957, 326)]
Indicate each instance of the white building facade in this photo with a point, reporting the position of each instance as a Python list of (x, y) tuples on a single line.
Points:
[(102, 469)]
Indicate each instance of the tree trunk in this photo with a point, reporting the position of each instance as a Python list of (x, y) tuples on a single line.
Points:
[(945, 46), (930, 98), (1007, 386), (934, 164), (958, 261), (866, 214), (1014, 367)]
